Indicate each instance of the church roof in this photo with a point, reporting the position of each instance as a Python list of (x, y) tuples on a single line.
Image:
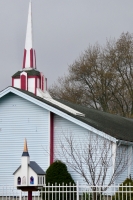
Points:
[(116, 126), (31, 72)]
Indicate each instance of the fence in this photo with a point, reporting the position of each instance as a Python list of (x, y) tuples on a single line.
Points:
[(71, 192)]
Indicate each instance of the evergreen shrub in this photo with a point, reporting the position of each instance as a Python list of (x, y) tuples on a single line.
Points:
[(57, 174), (123, 192)]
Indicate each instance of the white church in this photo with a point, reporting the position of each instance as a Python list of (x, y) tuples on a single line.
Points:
[(28, 111)]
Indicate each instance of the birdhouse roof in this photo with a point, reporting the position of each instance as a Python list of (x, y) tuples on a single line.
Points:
[(36, 168)]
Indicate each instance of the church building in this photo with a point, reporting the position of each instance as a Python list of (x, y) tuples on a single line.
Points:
[(27, 110)]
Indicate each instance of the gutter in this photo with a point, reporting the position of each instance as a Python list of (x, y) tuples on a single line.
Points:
[(119, 142)]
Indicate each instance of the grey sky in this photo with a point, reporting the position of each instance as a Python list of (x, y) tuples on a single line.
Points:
[(62, 30)]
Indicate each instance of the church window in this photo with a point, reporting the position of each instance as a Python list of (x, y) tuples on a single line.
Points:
[(19, 181), (31, 180), (24, 180)]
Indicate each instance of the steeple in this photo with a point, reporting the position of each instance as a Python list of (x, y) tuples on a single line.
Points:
[(25, 151), (29, 78), (29, 59)]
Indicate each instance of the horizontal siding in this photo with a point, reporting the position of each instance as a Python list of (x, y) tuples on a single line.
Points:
[(122, 150), (21, 119), (63, 127)]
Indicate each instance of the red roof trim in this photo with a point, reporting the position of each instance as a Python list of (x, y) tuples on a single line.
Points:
[(51, 137)]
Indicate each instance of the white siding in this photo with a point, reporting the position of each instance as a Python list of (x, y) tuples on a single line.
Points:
[(21, 119), (63, 127), (17, 83), (38, 82), (31, 85), (132, 165), (121, 154)]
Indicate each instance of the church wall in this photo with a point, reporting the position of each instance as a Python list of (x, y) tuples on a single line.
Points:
[(21, 119), (31, 85), (122, 151), (38, 83), (81, 137), (17, 83)]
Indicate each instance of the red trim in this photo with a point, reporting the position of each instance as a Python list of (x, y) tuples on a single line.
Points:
[(42, 83), (12, 82), (51, 137), (35, 85), (31, 58), (35, 58), (24, 58), (23, 82)]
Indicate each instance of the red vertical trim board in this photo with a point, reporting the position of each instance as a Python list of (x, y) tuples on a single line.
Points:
[(42, 83), (41, 80), (24, 58), (31, 58), (35, 84), (51, 138), (12, 82), (23, 82), (27, 83), (35, 58)]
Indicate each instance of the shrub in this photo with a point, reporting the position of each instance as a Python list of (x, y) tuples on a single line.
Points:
[(123, 192), (57, 174)]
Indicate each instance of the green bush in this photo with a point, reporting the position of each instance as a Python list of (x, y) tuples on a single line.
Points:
[(57, 174), (123, 192)]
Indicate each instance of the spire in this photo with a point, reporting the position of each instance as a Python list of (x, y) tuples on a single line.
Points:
[(25, 151), (25, 146), (29, 60)]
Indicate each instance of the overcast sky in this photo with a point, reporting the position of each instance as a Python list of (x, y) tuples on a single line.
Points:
[(62, 30)]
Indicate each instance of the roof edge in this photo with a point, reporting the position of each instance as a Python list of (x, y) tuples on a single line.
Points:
[(51, 108)]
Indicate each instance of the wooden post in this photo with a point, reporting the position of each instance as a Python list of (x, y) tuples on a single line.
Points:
[(29, 195)]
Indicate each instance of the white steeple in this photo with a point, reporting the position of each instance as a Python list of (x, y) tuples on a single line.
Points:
[(25, 161), (29, 59), (29, 78)]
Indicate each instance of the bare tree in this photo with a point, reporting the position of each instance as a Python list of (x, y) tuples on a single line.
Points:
[(97, 160), (101, 78)]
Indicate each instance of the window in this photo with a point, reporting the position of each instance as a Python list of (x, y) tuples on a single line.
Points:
[(24, 180), (40, 180), (19, 181), (31, 180)]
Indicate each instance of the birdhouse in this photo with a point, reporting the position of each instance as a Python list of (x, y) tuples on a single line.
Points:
[(29, 175)]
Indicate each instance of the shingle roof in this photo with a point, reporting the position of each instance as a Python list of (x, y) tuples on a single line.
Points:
[(36, 168), (114, 125), (32, 72)]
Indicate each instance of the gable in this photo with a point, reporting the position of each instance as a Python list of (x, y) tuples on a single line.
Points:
[(21, 119)]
